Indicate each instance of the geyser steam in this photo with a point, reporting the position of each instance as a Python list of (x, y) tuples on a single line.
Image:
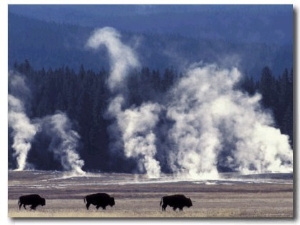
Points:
[(64, 140), (135, 124), (23, 130), (215, 124), (122, 57)]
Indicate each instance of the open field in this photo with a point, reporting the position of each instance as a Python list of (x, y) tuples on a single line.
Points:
[(137, 197)]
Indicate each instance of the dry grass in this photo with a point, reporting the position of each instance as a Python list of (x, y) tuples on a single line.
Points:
[(259, 206), (142, 200)]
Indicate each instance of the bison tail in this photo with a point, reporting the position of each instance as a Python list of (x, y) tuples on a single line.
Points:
[(19, 204), (84, 200)]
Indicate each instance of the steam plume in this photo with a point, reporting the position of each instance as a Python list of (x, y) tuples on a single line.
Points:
[(122, 58), (218, 125), (64, 139), (135, 124), (64, 142), (215, 125), (23, 130)]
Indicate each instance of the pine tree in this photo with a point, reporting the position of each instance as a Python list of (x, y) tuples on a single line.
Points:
[(267, 88), (248, 85), (287, 124)]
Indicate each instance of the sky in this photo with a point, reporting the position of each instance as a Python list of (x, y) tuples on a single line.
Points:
[(3, 103)]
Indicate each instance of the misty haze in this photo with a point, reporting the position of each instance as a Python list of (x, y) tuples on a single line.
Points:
[(140, 109)]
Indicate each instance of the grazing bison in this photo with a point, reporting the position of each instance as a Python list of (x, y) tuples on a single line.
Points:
[(34, 200), (175, 201), (99, 200)]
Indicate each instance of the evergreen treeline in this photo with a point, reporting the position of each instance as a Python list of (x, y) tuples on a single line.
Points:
[(84, 96), (277, 96)]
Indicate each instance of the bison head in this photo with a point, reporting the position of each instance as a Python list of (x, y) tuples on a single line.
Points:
[(112, 201), (42, 202), (189, 202)]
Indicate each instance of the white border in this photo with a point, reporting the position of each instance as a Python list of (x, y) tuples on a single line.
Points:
[(3, 113), (151, 2)]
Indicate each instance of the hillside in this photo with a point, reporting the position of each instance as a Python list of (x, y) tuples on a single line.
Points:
[(49, 44)]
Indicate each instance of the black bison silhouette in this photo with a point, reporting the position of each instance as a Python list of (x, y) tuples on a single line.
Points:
[(34, 200), (175, 201), (99, 200)]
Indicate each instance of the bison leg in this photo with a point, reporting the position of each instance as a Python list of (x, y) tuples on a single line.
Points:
[(33, 207), (87, 205), (104, 207), (180, 208), (20, 205), (24, 206), (164, 207), (174, 208), (97, 207)]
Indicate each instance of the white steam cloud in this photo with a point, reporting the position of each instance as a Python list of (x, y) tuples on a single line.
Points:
[(135, 124), (122, 57), (64, 139), (23, 130), (214, 123), (64, 142)]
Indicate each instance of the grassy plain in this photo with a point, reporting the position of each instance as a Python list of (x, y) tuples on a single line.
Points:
[(134, 199)]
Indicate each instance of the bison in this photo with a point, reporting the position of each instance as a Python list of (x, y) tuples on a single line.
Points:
[(34, 200), (175, 201), (99, 200)]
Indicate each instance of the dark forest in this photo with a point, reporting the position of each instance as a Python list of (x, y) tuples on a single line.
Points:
[(84, 97)]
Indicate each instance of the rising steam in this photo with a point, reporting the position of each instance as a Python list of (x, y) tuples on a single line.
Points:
[(212, 124), (136, 124), (64, 142), (23, 130), (122, 57), (216, 125)]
